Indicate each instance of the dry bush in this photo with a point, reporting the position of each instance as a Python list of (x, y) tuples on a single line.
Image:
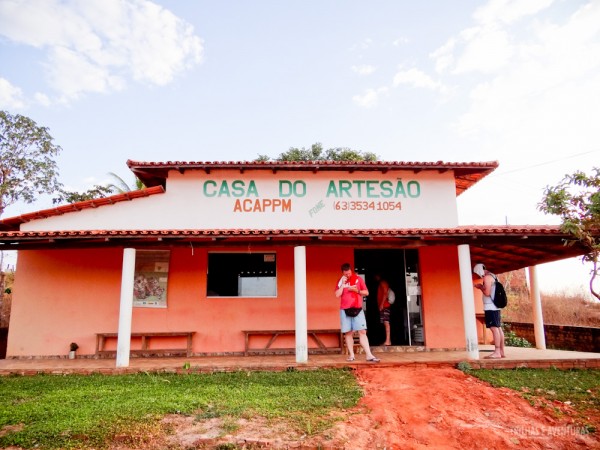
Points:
[(570, 309), (6, 280), (558, 308), (5, 303)]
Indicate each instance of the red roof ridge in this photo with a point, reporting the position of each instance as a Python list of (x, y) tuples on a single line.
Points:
[(308, 164), (488, 230)]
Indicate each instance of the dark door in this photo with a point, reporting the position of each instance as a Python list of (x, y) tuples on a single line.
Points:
[(390, 265)]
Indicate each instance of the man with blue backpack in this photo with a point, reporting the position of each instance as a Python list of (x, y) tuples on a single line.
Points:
[(493, 321)]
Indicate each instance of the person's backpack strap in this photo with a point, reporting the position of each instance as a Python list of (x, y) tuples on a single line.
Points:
[(500, 298)]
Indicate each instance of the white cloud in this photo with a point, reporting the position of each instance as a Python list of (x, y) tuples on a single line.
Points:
[(549, 92), (364, 69), (417, 78), (489, 45), (370, 98), (365, 44), (487, 49), (98, 45), (42, 99), (509, 11), (71, 74), (412, 77), (443, 57), (11, 97)]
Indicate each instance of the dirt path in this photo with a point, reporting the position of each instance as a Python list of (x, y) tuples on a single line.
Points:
[(444, 408), (413, 408)]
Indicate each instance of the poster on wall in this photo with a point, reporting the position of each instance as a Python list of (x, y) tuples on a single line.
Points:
[(150, 280)]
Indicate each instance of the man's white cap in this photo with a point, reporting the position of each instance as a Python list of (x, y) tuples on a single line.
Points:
[(479, 269)]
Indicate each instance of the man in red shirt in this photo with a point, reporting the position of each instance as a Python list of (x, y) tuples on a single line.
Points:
[(350, 289)]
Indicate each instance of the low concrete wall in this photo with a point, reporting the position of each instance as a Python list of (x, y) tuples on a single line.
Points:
[(562, 337)]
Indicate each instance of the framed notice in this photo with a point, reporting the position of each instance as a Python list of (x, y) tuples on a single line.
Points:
[(151, 278)]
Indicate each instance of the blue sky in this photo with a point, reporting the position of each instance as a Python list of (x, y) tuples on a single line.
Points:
[(508, 80)]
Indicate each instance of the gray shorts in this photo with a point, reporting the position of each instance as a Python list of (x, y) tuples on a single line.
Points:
[(352, 323)]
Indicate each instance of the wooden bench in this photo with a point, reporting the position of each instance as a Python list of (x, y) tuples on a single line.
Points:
[(480, 319), (274, 334), (101, 339)]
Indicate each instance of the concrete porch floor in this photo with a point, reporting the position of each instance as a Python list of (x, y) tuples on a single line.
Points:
[(515, 357)]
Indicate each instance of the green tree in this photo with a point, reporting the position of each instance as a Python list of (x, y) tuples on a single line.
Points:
[(576, 200), (120, 185), (27, 160), (316, 153), (98, 191), (28, 167)]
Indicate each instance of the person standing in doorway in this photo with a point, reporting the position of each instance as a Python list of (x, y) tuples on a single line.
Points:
[(492, 314), (351, 289), (383, 293)]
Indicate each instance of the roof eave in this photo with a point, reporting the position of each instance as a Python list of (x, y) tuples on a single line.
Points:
[(466, 174)]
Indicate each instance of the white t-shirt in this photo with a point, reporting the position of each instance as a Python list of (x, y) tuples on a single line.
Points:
[(488, 303)]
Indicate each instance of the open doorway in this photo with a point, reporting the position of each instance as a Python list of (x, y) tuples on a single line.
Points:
[(401, 270)]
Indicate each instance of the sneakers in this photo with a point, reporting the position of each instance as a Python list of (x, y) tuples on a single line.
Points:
[(372, 359)]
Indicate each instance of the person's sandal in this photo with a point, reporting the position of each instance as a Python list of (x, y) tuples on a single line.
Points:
[(350, 358), (373, 360)]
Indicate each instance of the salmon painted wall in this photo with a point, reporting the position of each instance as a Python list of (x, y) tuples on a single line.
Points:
[(59, 297), (442, 297), (64, 296)]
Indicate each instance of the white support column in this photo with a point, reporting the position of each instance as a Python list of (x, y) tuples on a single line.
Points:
[(468, 300), (536, 304), (125, 311), (300, 304)]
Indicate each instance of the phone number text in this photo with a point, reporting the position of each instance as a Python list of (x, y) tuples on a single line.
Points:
[(342, 205)]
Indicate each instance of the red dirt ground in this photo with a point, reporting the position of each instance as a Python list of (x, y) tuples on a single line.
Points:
[(417, 408), (409, 408)]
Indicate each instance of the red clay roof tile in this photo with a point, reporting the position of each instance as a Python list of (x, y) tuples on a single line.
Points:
[(502, 248)]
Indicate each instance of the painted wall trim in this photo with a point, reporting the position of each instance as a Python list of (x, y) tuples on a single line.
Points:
[(126, 308), (536, 304), (300, 304), (468, 300)]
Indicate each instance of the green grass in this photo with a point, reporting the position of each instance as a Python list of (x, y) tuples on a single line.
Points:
[(78, 411), (579, 388)]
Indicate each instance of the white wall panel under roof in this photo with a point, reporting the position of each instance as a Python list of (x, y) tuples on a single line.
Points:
[(261, 199)]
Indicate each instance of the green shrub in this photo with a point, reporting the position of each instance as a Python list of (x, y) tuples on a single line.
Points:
[(512, 340), (464, 366)]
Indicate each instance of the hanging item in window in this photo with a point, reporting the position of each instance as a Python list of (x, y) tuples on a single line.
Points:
[(150, 280)]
